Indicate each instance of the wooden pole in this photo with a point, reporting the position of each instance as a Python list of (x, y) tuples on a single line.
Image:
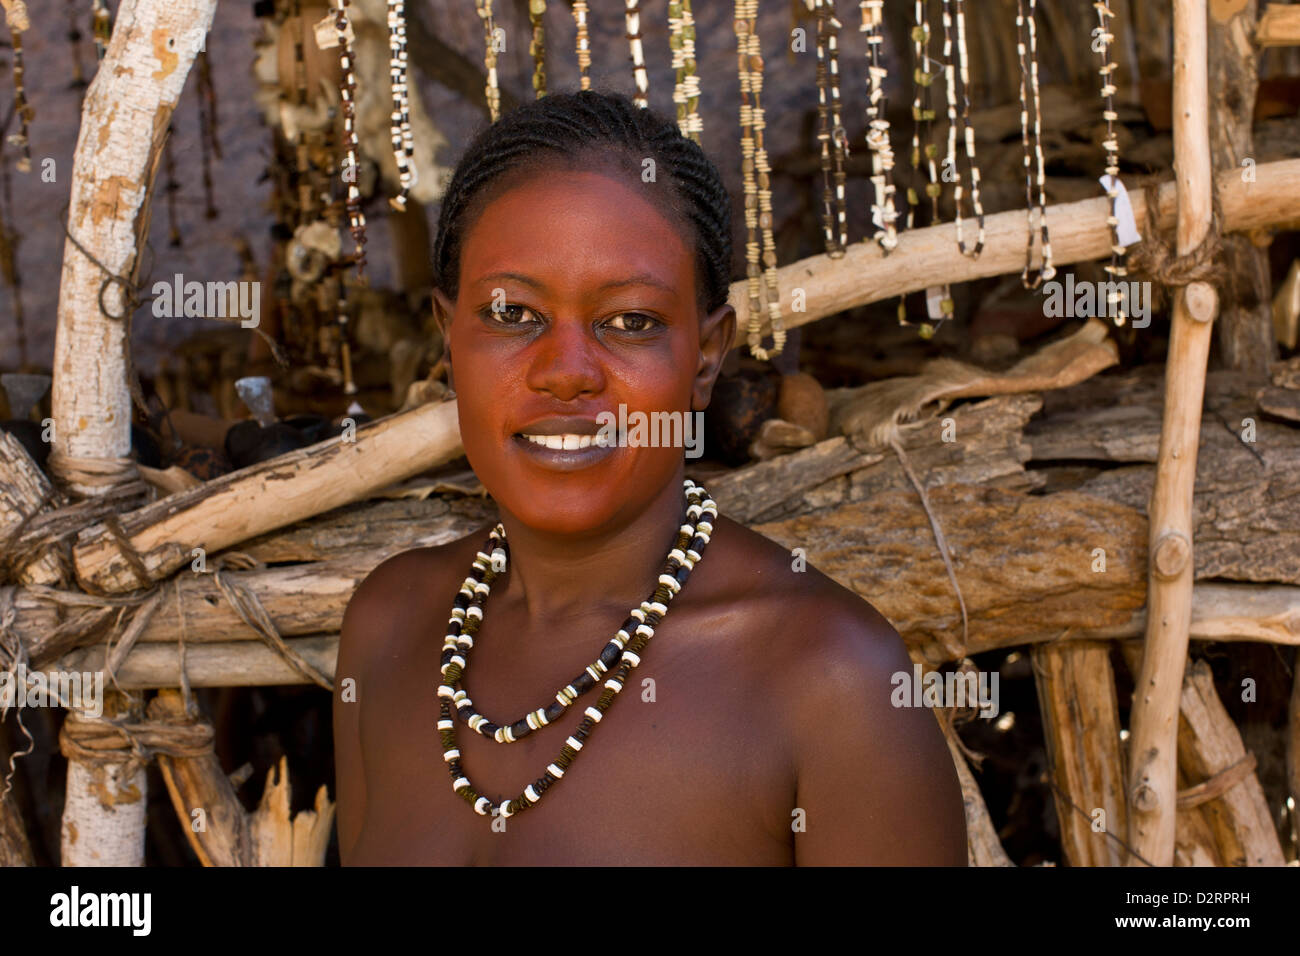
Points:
[(124, 123), (1153, 748)]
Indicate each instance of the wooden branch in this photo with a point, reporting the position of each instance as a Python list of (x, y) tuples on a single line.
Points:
[(125, 118), (1079, 234), (1210, 744), (25, 492), (219, 834), (1076, 696), (281, 838), (272, 494), (983, 848), (1153, 768), (1279, 26)]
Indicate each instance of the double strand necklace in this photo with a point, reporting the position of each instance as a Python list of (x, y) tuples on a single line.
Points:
[(1027, 48), (617, 659)]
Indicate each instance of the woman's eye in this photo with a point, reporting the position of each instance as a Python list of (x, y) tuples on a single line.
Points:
[(508, 314), (633, 322)]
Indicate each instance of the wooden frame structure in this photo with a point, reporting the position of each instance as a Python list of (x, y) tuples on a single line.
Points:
[(135, 557)]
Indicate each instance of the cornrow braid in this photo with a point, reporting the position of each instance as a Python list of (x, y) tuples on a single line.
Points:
[(572, 129)]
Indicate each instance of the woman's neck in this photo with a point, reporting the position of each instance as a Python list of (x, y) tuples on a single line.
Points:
[(552, 578)]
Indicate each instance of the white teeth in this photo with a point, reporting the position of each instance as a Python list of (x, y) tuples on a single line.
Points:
[(563, 442)]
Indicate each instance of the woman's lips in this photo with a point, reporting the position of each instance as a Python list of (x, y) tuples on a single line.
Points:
[(563, 459)]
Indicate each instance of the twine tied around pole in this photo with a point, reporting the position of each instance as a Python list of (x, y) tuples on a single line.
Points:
[(123, 746), (1157, 261)]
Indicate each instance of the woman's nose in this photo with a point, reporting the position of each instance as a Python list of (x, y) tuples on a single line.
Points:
[(563, 361)]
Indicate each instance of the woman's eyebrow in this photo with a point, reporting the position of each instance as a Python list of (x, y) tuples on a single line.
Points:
[(639, 278)]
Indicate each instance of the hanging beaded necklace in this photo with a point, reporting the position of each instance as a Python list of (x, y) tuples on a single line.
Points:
[(686, 91), (1117, 269), (617, 659), (348, 94), (923, 116), (492, 91), (402, 137), (756, 175), (883, 213), (954, 11), (632, 18), (584, 43), (537, 45), (830, 129), (1027, 48)]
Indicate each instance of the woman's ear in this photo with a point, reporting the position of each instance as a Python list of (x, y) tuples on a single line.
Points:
[(717, 335)]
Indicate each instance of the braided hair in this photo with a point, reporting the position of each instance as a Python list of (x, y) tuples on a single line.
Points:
[(587, 129)]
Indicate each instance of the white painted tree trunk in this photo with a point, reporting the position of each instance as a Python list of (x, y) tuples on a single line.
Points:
[(125, 117)]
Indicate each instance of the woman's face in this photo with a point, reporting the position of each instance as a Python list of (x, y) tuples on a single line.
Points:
[(577, 296)]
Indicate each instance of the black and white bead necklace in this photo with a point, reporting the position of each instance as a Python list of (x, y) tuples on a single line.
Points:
[(615, 663)]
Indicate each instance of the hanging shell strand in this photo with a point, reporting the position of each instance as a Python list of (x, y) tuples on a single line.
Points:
[(584, 44), (883, 213), (537, 45), (18, 22), (636, 53), (349, 172), (953, 10), (402, 138), (1117, 269), (492, 91), (686, 92), (1027, 48), (756, 174), (830, 129)]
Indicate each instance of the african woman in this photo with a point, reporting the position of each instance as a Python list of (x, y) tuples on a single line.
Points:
[(582, 263)]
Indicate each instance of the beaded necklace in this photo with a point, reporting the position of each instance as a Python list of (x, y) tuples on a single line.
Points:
[(1027, 48), (923, 115), (1117, 269), (347, 93), (830, 129), (883, 213), (402, 137), (621, 654), (686, 92), (18, 21), (953, 9), (484, 8), (537, 45), (584, 43), (758, 188), (632, 18)]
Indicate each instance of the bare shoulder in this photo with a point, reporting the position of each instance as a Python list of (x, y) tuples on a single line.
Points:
[(398, 591), (877, 778)]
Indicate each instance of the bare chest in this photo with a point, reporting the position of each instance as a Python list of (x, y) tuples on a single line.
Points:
[(687, 767)]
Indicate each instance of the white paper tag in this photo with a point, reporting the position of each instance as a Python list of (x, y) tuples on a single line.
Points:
[(1127, 229), (934, 297)]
